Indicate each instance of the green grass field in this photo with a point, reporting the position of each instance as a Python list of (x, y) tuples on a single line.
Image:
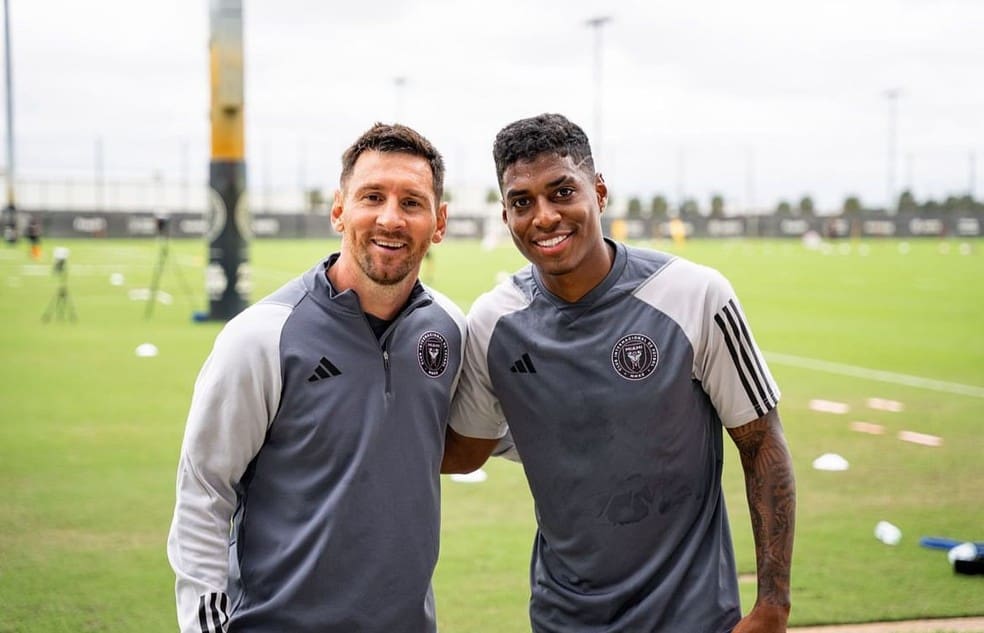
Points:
[(90, 432)]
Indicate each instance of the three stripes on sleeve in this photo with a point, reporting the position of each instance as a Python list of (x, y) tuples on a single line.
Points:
[(744, 353), (213, 612)]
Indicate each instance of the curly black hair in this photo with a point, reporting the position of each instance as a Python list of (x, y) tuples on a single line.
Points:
[(526, 139)]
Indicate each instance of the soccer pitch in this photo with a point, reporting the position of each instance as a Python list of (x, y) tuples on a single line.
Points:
[(880, 332)]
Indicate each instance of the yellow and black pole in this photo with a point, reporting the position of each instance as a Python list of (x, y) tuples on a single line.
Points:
[(227, 278)]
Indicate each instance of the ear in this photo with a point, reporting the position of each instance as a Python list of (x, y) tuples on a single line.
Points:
[(601, 190), (336, 212), (504, 218), (442, 223)]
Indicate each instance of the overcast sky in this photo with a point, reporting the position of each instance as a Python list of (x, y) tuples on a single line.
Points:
[(758, 100)]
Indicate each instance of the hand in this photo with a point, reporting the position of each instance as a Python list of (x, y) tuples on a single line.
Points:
[(764, 618)]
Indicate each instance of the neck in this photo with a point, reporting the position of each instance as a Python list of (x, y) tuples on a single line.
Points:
[(381, 301), (571, 287)]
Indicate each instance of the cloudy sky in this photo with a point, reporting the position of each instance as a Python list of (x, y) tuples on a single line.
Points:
[(758, 100)]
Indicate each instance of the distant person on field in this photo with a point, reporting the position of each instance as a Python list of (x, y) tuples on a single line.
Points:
[(33, 233), (317, 425), (678, 232), (614, 369)]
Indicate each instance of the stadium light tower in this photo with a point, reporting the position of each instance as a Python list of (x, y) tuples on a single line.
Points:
[(972, 174), (400, 83), (892, 95), (10, 210), (597, 23)]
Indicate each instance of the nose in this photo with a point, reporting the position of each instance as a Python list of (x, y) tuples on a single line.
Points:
[(391, 215), (546, 217)]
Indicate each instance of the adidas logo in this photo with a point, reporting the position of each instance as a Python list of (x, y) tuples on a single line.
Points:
[(523, 366), (324, 370)]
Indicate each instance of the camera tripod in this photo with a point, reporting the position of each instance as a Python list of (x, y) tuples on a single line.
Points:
[(60, 304), (164, 244)]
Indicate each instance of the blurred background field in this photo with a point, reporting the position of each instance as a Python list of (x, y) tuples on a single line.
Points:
[(90, 431)]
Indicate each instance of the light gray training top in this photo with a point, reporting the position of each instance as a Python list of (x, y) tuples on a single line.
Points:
[(616, 405), (322, 445)]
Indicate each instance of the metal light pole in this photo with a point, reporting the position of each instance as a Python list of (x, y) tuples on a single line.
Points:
[(750, 182), (99, 181), (227, 278), (910, 172), (597, 23), (972, 175), (893, 141), (681, 178), (267, 176), (399, 83), (10, 210), (185, 181)]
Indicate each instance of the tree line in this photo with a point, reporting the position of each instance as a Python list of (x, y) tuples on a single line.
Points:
[(659, 208)]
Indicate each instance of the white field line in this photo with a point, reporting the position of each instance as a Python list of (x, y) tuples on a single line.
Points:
[(81, 270), (875, 374), (971, 625)]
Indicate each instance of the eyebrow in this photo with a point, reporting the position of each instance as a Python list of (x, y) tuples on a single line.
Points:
[(375, 186), (550, 185), (413, 193)]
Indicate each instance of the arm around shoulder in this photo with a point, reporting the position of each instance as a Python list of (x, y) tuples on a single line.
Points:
[(475, 411), (464, 454)]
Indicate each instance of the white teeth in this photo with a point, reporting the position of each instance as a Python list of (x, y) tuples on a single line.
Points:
[(389, 244), (553, 241)]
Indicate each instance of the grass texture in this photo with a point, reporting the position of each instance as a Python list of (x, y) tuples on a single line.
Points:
[(90, 431)]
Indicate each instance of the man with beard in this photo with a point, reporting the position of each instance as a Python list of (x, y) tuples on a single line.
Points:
[(308, 488), (615, 369)]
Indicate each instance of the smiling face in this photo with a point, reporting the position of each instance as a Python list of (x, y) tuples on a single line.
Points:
[(388, 214), (553, 208)]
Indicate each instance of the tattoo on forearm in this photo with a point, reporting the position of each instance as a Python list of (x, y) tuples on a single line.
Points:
[(771, 490)]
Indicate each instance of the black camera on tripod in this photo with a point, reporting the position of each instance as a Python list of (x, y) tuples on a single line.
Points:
[(59, 260), (163, 222)]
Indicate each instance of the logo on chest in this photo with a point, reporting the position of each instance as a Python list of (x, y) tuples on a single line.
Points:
[(432, 353), (635, 356)]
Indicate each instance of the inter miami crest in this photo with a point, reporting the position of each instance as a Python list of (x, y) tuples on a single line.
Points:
[(432, 352), (634, 357)]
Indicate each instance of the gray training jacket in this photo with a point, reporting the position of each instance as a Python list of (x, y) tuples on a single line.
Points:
[(322, 445)]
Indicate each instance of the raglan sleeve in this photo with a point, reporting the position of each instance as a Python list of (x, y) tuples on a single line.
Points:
[(728, 361), (235, 398), (475, 410)]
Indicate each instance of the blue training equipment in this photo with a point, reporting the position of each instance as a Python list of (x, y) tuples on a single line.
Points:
[(939, 542)]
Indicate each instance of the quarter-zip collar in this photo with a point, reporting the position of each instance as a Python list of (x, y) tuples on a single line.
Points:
[(321, 291)]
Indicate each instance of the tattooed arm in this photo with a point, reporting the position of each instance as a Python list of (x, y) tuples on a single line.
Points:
[(771, 491)]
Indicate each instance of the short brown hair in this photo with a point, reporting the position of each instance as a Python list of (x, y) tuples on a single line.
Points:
[(383, 137)]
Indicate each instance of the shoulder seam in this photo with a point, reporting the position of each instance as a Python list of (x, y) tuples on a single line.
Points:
[(638, 289)]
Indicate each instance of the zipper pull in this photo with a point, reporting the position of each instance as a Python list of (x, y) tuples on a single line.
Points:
[(386, 359)]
